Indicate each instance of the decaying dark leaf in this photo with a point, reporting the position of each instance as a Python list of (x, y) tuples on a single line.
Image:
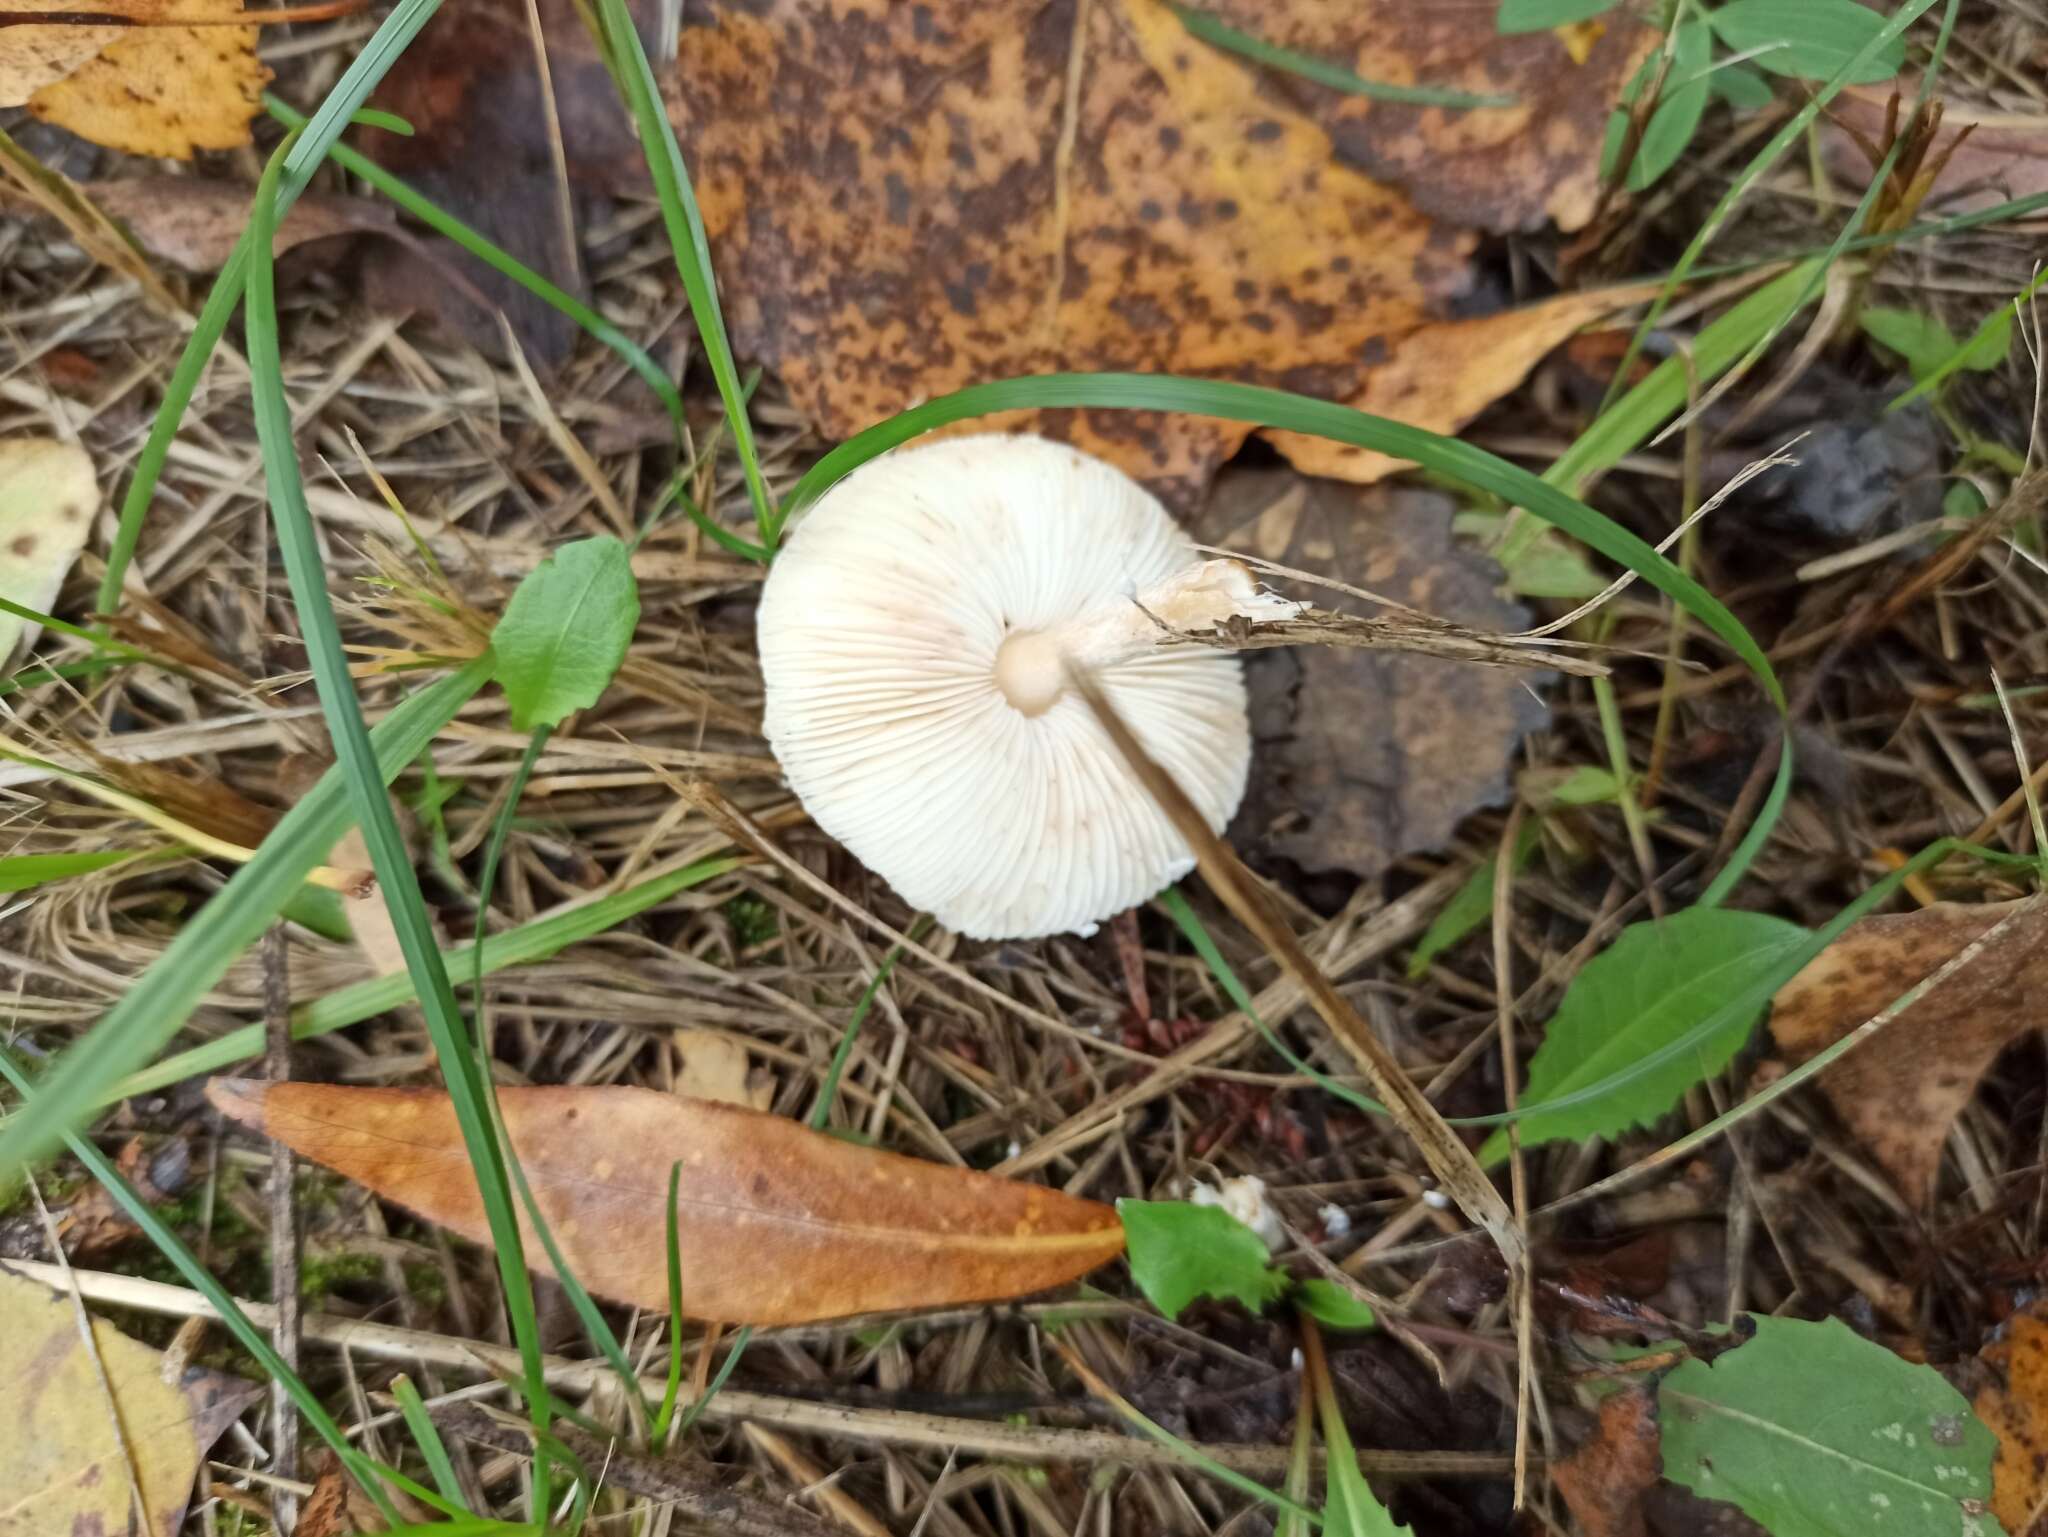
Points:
[(1902, 1091), (908, 199), (193, 222), (1360, 756), (778, 1224), (1604, 1481), (484, 149), (69, 1468)]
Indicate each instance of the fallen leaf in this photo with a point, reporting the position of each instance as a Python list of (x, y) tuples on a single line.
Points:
[(2015, 1407), (1323, 793), (716, 1067), (96, 1223), (1604, 1481), (193, 223), (826, 1228), (158, 89), (32, 57), (1902, 1091), (66, 1469), (1442, 374), (906, 201), (483, 149), (48, 495)]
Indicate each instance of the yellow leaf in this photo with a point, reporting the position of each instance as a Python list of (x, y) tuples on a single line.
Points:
[(47, 499), (1579, 37), (164, 90), (716, 1067), (66, 1469)]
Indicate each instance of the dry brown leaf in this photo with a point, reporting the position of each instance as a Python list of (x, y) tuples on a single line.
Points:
[(326, 1511), (154, 89), (1902, 1091), (2015, 1409), (716, 1067), (1441, 375), (907, 200), (32, 57), (826, 1228), (67, 1470), (194, 223), (1361, 756), (1604, 1481)]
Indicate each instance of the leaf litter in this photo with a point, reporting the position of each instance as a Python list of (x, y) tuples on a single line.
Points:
[(954, 1074)]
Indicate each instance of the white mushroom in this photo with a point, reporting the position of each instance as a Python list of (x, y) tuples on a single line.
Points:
[(914, 635)]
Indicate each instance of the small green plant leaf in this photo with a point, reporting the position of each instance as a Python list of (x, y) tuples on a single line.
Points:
[(565, 631), (1542, 15), (1808, 39), (1468, 906), (1741, 87), (1657, 999), (1963, 500), (1922, 340), (1332, 1306), (1586, 785), (1180, 1251), (1544, 565), (1814, 1431), (1677, 114)]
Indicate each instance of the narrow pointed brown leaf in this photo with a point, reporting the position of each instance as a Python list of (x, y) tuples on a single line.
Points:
[(778, 1224)]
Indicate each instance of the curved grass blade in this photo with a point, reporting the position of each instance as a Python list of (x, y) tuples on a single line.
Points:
[(446, 224), (306, 572)]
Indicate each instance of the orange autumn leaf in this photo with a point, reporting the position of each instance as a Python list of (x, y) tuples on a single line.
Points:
[(778, 1224), (1902, 1091), (140, 82), (2015, 1409), (911, 199)]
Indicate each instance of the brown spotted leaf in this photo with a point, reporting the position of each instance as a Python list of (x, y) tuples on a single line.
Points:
[(1903, 1090), (778, 1224), (2015, 1408), (1361, 756), (69, 1468), (157, 88), (1604, 1481), (907, 199)]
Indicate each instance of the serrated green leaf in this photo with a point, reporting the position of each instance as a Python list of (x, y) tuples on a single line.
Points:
[(1469, 905), (1741, 87), (1814, 1431), (565, 631), (1658, 985), (1922, 340), (1332, 1306), (1180, 1251), (1677, 114), (1542, 15), (1808, 39)]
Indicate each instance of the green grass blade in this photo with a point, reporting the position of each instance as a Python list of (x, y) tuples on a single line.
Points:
[(443, 223), (350, 1005), (306, 572), (1220, 35), (828, 1090), (426, 1435), (692, 247), (325, 128), (1325, 419), (154, 1009)]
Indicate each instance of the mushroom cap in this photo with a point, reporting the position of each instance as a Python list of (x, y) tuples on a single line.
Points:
[(880, 630)]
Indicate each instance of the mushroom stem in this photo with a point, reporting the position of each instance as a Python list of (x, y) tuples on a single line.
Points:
[(1031, 666)]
